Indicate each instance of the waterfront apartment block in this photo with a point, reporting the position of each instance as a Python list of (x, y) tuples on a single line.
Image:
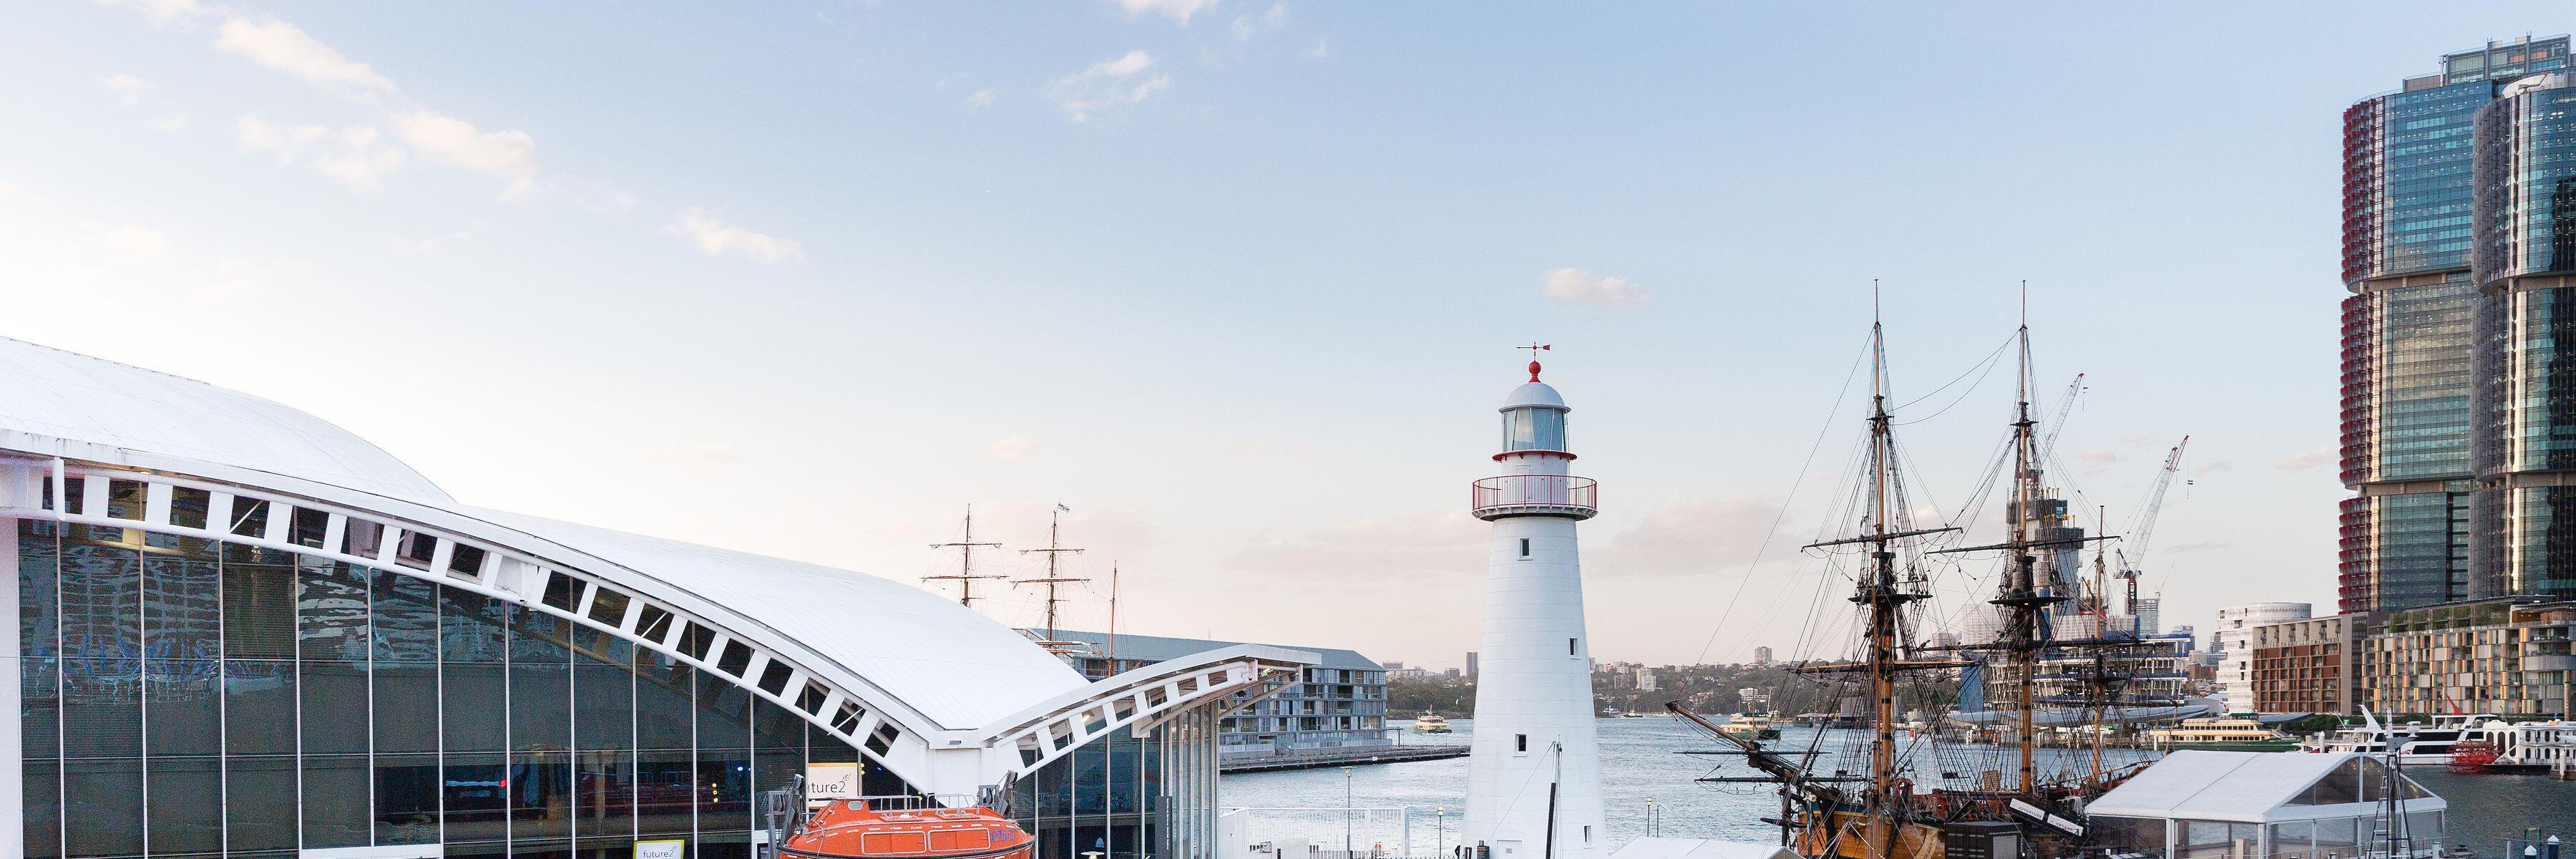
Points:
[(2305, 666), (2507, 656), (2454, 262), (2234, 638), (1341, 704)]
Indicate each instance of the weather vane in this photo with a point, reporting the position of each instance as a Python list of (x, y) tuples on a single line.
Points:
[(1535, 347)]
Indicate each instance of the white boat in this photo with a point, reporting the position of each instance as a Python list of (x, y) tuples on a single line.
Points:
[(2537, 745), (2417, 743), (1431, 723)]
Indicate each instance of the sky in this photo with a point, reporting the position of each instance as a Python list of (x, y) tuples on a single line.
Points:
[(1237, 283)]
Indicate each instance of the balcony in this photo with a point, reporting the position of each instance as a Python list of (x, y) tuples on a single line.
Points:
[(1534, 495)]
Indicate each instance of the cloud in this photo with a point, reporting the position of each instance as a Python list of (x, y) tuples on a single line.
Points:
[(2318, 458), (454, 142), (1693, 537), (171, 124), (286, 48), (1248, 26), (163, 13), (2097, 457), (128, 88), (1322, 50), (2214, 468), (1011, 449), (1177, 10), (1397, 552), (357, 157), (134, 243), (1108, 83), (416, 247), (981, 99), (1584, 287), (716, 238)]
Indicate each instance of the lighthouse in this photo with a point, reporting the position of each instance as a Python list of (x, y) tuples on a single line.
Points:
[(1534, 773)]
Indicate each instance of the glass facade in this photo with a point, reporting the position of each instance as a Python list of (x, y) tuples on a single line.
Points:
[(2525, 448), (183, 696), (2405, 550), (2526, 181)]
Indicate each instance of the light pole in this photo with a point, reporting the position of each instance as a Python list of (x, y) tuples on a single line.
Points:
[(1650, 817), (1346, 812), (1440, 824)]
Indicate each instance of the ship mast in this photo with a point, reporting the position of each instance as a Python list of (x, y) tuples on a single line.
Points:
[(965, 576), (1054, 550)]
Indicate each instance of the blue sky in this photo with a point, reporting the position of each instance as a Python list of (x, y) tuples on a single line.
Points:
[(1235, 281)]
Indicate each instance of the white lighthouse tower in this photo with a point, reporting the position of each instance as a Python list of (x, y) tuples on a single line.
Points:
[(1534, 777)]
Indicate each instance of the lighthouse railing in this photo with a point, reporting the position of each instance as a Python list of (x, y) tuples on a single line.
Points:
[(1534, 492)]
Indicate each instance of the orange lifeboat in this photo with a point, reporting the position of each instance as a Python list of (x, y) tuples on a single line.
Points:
[(848, 829)]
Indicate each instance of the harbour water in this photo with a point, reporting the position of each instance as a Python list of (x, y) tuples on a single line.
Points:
[(1638, 764)]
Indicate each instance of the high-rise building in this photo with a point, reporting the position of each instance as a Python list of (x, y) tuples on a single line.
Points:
[(2523, 538), (1471, 664), (2409, 329), (1761, 656), (2235, 638)]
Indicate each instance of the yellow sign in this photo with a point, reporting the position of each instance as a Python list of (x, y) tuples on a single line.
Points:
[(675, 848)]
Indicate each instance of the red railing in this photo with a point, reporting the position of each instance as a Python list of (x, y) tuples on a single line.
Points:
[(1535, 494)]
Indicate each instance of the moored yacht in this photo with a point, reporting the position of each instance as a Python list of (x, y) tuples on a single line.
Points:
[(2416, 743)]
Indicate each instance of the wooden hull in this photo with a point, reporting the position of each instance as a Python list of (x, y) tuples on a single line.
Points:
[(1913, 840)]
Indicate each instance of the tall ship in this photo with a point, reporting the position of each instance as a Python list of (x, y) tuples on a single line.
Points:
[(2027, 702)]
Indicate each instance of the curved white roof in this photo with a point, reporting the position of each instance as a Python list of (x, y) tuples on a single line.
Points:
[(1530, 394), (960, 668), (944, 661), (62, 395)]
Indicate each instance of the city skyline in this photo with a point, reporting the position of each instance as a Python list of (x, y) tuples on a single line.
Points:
[(1236, 282)]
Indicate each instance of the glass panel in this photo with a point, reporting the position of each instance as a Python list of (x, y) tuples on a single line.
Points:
[(664, 788), (406, 617), (259, 707), (188, 506), (540, 706), (416, 550), (541, 850), (604, 794), (465, 560), (662, 695), (182, 618), (724, 714), (2339, 836), (471, 627), (2340, 786), (563, 592), (187, 812), (362, 538), (259, 802), (43, 830), (476, 800), (250, 517), (40, 714), (309, 528), (125, 499), (331, 611), (696, 640), (335, 693), (473, 705), (335, 800), (538, 637), (736, 658), (776, 727), (406, 799), (39, 612), (603, 704), (724, 845), (182, 708), (102, 708), (651, 623), (103, 807), (724, 781), (259, 603), (540, 795), (406, 708), (102, 594), (608, 607), (2294, 840)]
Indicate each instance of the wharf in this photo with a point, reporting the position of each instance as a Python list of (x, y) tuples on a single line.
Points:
[(1315, 758)]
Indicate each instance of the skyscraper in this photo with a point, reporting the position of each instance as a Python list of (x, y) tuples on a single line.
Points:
[(2524, 265), (2408, 374)]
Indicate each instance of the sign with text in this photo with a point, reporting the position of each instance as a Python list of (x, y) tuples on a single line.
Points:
[(831, 781), (674, 848)]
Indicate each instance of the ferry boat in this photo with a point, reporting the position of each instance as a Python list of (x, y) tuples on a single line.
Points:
[(2223, 734), (2536, 746), (849, 829), (1431, 723), (1746, 726), (2416, 743)]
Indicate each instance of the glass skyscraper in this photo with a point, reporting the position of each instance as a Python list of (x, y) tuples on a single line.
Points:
[(2410, 328), (2525, 350)]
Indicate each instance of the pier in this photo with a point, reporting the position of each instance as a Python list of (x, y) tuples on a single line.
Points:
[(1316, 758)]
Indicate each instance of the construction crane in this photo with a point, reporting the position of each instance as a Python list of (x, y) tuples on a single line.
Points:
[(2057, 422), (2145, 528)]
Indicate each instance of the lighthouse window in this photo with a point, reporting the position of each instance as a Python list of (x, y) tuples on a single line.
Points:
[(1524, 547), (1569, 647), (1533, 429), (1520, 742)]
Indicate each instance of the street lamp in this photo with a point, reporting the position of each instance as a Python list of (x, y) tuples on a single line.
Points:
[(1440, 824)]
